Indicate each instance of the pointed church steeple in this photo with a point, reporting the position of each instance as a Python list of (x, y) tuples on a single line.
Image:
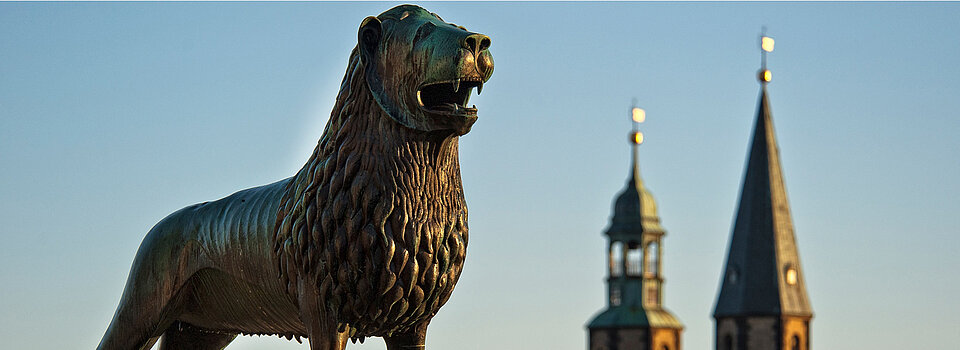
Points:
[(634, 318), (763, 301)]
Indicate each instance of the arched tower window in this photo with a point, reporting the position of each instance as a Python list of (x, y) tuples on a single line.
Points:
[(616, 259), (795, 343), (653, 259), (634, 259)]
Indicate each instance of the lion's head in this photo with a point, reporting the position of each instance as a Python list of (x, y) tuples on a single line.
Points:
[(421, 70)]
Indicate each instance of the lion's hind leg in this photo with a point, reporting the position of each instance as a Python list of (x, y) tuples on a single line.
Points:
[(154, 289), (140, 319), (126, 333), (144, 313), (183, 336)]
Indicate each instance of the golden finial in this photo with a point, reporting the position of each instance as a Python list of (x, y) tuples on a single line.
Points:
[(638, 115), (766, 45)]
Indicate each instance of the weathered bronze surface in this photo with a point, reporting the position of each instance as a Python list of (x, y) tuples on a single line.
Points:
[(367, 239)]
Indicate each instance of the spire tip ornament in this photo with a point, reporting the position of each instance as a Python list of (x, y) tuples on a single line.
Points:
[(638, 115), (764, 76), (766, 45), (636, 137)]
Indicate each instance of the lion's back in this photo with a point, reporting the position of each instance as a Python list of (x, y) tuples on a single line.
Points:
[(236, 232), (221, 251)]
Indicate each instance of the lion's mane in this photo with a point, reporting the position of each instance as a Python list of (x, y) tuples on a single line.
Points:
[(376, 217)]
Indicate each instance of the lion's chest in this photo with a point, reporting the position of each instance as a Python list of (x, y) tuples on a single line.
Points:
[(382, 235), (404, 280)]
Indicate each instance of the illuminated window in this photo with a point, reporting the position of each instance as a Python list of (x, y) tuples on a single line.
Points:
[(791, 275)]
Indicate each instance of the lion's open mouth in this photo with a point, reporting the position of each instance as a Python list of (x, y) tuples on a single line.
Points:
[(449, 97)]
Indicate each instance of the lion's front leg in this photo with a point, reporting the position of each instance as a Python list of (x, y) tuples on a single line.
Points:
[(326, 337), (414, 339), (321, 328)]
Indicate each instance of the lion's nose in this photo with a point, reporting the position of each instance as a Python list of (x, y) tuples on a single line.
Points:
[(476, 43)]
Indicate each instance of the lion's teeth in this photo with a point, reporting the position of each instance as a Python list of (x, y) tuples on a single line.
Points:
[(480, 88), (418, 99), (456, 85)]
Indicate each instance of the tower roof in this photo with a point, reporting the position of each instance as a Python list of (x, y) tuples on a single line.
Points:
[(763, 274), (634, 317), (634, 210)]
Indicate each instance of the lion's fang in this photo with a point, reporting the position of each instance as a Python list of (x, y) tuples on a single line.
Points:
[(456, 85), (480, 88), (420, 101)]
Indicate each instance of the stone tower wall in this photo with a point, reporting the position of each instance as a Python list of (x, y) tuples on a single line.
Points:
[(762, 333), (620, 339)]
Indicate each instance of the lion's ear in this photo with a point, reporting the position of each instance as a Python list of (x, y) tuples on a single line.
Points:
[(369, 39)]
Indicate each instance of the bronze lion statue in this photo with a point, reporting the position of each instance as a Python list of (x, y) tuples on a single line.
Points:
[(367, 240)]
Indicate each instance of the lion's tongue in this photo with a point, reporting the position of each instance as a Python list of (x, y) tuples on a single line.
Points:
[(451, 107)]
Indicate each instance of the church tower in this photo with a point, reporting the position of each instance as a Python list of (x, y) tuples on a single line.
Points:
[(634, 318), (763, 300)]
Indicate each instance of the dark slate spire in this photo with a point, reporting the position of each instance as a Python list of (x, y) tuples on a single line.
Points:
[(763, 274)]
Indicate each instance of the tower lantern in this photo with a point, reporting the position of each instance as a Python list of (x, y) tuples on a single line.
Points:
[(634, 318)]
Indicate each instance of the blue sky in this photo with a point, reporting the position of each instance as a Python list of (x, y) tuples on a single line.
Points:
[(113, 115)]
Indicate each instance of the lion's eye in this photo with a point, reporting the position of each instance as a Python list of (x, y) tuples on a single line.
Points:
[(423, 31)]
